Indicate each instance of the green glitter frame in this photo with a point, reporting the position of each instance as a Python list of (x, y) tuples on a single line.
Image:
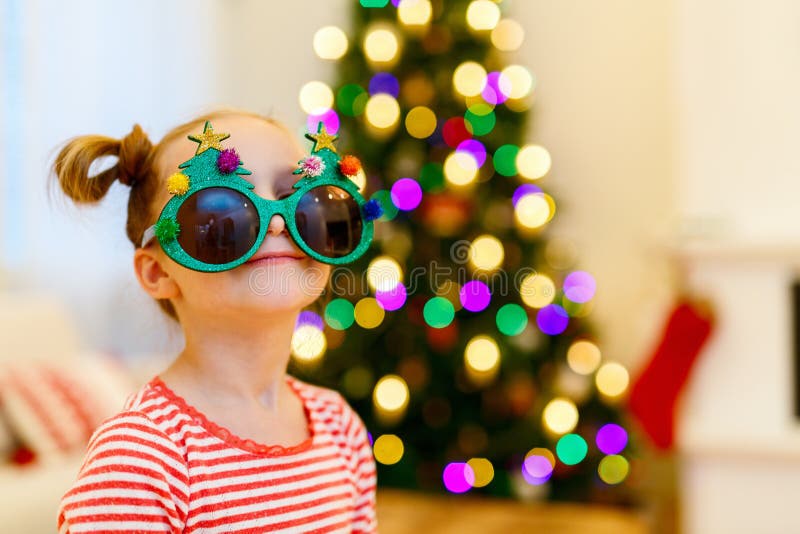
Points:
[(206, 174)]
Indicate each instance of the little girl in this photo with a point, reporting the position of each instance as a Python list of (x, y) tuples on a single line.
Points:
[(224, 440)]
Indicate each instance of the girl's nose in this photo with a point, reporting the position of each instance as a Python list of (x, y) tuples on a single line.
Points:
[(277, 225)]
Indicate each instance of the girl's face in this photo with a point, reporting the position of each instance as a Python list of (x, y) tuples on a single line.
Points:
[(259, 286)]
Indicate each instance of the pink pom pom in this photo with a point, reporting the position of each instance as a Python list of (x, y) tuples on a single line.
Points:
[(228, 161), (312, 166)]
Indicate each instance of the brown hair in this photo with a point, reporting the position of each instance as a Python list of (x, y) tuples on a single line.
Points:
[(137, 167)]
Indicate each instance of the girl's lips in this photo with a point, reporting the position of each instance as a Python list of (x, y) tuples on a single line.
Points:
[(273, 260)]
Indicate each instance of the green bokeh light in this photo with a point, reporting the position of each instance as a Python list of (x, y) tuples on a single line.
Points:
[(431, 177), (438, 312), (613, 469), (505, 160), (481, 118), (351, 99), (384, 198), (374, 3), (571, 449), (339, 314), (511, 319)]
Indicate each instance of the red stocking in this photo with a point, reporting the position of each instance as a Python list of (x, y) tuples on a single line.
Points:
[(655, 392)]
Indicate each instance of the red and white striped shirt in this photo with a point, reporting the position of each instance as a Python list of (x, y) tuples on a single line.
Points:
[(161, 466)]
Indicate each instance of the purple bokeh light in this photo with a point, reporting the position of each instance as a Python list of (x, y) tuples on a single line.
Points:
[(384, 82), (611, 439), (474, 148), (392, 299), (406, 194), (329, 118), (458, 477), (552, 319), (537, 466), (493, 93), (475, 295), (524, 189), (310, 317), (579, 286)]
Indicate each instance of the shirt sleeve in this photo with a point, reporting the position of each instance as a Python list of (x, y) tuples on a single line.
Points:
[(133, 479), (365, 520)]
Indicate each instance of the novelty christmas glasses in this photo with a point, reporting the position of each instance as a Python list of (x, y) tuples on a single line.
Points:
[(215, 222)]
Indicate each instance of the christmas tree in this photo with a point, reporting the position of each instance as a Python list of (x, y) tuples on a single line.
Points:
[(466, 348)]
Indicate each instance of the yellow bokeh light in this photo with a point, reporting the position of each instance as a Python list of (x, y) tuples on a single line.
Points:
[(388, 449), (612, 379), (382, 110), (368, 313), (613, 469), (381, 45), (583, 357), (533, 161), (537, 290), (469, 78), (316, 98), (484, 471), (460, 169), (544, 453), (421, 122), (482, 15), (330, 42), (391, 393), (486, 253), (414, 12), (308, 343), (508, 35), (532, 210), (560, 415), (520, 81), (384, 273), (482, 354)]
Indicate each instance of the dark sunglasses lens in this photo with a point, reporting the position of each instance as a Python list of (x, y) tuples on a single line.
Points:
[(328, 219), (218, 225)]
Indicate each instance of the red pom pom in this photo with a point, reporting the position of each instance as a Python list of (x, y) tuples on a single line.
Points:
[(349, 165)]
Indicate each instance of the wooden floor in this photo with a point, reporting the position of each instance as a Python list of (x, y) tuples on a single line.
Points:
[(406, 512)]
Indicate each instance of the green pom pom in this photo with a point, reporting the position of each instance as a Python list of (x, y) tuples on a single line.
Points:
[(167, 229)]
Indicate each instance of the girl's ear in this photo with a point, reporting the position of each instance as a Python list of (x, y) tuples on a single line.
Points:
[(157, 282)]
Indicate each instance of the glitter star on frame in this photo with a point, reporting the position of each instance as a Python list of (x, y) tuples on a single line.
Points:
[(208, 139), (322, 139)]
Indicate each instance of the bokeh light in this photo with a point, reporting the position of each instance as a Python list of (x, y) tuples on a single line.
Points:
[(392, 299), (420, 122), (511, 319), (522, 190), (469, 78), (613, 469), (339, 314), (475, 295), (497, 88), (391, 393), (308, 343), (406, 194), (474, 148), (482, 354), (505, 160), (482, 15), (480, 118), (382, 111), (351, 99), (330, 42), (552, 319), (329, 118), (316, 98), (414, 12), (538, 465), (612, 379), (438, 312), (537, 290), (560, 415), (508, 35), (368, 313), (384, 82), (571, 449), (384, 273), (455, 130), (532, 210), (358, 381), (483, 470), (583, 357), (381, 45), (486, 253), (519, 79), (310, 317), (611, 439), (579, 286), (388, 449), (460, 168), (533, 162), (458, 477)]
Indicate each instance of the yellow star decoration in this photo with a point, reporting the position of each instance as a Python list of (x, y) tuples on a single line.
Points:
[(208, 139), (322, 139)]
